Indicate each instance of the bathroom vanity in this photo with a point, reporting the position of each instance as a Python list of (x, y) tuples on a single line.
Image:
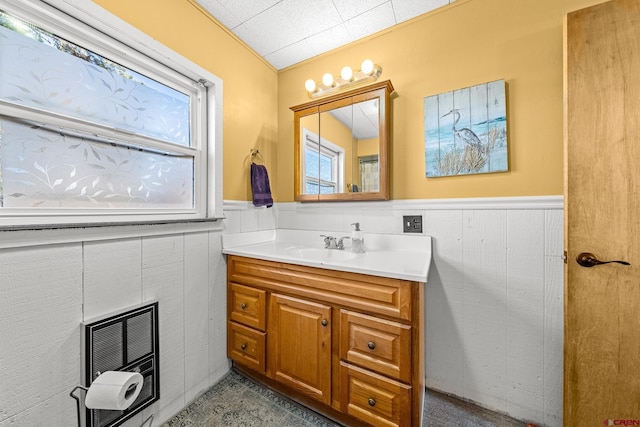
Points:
[(321, 327)]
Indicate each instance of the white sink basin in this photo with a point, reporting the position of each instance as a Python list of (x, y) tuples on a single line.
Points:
[(317, 254), (395, 256)]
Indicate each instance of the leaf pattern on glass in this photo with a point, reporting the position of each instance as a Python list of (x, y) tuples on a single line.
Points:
[(49, 70), (76, 173)]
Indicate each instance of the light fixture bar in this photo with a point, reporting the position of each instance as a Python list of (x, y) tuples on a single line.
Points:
[(369, 72)]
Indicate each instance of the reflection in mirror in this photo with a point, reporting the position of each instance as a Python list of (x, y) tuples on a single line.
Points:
[(309, 154), (341, 145), (366, 140), (336, 146)]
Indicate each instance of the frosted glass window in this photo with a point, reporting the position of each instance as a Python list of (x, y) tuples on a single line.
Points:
[(51, 169), (94, 130), (43, 71)]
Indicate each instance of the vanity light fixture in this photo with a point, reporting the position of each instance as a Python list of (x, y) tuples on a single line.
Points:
[(329, 84)]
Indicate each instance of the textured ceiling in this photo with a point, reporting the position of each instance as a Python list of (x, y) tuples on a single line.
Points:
[(285, 32)]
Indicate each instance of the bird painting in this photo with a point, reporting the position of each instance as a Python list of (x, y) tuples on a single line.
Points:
[(457, 145), (465, 135)]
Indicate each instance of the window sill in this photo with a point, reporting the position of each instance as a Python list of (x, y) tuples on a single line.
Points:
[(37, 235)]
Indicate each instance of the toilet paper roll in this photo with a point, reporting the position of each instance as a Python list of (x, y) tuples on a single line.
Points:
[(116, 390)]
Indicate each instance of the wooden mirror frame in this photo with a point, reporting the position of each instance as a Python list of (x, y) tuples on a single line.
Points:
[(381, 90)]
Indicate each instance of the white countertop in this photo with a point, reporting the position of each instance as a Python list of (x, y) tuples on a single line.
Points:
[(406, 257)]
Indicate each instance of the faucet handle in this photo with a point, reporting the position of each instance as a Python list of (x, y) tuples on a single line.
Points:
[(328, 240), (340, 242)]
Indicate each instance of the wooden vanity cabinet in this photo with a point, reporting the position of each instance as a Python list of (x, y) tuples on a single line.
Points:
[(351, 346)]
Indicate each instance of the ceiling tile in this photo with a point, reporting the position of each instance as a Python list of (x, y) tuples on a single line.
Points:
[(290, 55), (349, 9), (221, 13), (330, 39), (407, 9), (434, 4), (282, 31), (268, 31), (245, 10), (309, 18), (371, 22)]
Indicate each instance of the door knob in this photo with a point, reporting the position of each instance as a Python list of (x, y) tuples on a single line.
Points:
[(587, 259)]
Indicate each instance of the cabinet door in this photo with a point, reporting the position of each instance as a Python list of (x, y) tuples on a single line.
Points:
[(300, 345)]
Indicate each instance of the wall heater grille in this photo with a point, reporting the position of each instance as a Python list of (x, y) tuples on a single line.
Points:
[(125, 341)]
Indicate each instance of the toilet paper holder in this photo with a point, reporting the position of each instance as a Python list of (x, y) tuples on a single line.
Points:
[(131, 389)]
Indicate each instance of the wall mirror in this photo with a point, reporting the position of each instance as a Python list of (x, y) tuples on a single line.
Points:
[(341, 145)]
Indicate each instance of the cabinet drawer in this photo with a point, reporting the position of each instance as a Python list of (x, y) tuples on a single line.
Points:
[(246, 346), (247, 306), (377, 344), (373, 398)]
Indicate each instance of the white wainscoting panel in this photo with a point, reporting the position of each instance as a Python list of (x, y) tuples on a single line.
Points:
[(40, 315), (48, 290), (553, 317), (196, 317), (218, 362), (112, 276)]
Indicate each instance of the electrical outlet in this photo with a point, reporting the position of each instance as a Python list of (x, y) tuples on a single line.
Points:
[(412, 223)]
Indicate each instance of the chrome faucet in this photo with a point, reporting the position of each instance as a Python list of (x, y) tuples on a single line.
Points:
[(330, 242)]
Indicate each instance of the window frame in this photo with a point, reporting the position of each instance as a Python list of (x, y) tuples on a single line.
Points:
[(94, 28), (329, 149)]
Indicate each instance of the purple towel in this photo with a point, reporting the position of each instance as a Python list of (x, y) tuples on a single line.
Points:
[(260, 186)]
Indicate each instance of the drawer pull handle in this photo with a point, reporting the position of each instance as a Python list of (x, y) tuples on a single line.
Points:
[(243, 305), (243, 346), (371, 345), (324, 322), (372, 402)]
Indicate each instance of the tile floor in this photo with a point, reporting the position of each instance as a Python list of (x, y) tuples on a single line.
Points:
[(237, 401)]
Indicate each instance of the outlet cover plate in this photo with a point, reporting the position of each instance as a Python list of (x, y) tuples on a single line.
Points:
[(412, 223)]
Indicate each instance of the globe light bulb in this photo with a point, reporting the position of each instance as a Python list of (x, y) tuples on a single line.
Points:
[(310, 85), (367, 66), (327, 79), (346, 74)]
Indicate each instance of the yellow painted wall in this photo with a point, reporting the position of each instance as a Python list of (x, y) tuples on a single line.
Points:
[(250, 85), (466, 43), (367, 147)]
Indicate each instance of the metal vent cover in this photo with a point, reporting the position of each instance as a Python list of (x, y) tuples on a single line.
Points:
[(125, 341)]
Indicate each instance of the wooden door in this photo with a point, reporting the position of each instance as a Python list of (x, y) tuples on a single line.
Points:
[(602, 211), (300, 345)]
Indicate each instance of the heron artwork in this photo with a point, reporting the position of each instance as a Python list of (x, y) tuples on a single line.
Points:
[(471, 136), (465, 135)]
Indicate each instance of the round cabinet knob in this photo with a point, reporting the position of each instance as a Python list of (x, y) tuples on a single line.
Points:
[(243, 346), (324, 322), (243, 305), (372, 402), (371, 345)]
